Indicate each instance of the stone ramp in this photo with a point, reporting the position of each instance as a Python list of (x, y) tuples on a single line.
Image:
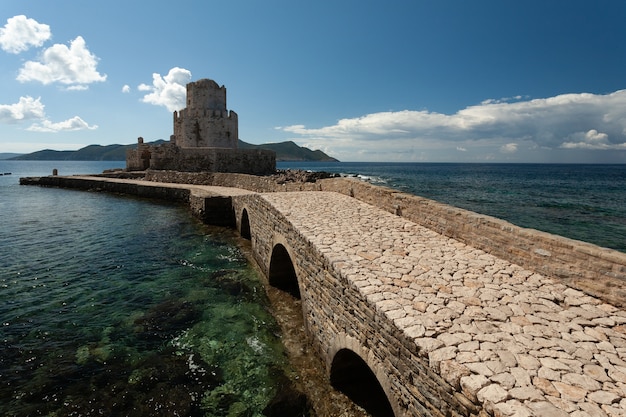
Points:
[(510, 339)]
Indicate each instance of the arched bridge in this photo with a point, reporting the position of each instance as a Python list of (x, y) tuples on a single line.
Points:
[(413, 323)]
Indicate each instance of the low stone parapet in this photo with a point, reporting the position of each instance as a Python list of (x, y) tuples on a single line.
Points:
[(598, 271)]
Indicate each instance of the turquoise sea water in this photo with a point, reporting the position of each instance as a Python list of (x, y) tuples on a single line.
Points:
[(112, 305), (583, 202)]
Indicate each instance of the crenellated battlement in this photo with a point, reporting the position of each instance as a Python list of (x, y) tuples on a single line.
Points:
[(204, 124), (206, 94), (213, 113)]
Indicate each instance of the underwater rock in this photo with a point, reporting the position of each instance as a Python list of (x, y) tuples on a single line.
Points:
[(216, 275), (166, 319), (288, 401), (232, 284), (223, 402), (163, 384)]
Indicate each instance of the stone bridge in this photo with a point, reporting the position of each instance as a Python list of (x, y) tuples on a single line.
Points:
[(421, 309)]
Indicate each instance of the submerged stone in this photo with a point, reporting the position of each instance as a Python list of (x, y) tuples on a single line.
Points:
[(232, 284), (288, 401), (163, 384), (166, 319)]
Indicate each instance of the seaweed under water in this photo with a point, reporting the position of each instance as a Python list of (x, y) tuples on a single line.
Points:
[(119, 306)]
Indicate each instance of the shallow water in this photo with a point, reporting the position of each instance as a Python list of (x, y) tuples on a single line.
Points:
[(121, 306)]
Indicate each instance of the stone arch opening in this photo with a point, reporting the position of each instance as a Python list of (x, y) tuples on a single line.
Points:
[(282, 272), (245, 225), (351, 375)]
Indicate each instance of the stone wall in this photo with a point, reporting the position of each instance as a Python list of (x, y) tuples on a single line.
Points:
[(138, 159), (259, 184), (205, 122), (206, 138), (170, 157), (337, 316), (206, 128), (598, 271), (93, 184)]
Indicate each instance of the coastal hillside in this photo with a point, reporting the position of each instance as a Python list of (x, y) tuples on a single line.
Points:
[(289, 151), (88, 153), (8, 155), (285, 151)]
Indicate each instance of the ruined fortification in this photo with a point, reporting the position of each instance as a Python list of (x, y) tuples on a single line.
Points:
[(205, 138), (205, 122)]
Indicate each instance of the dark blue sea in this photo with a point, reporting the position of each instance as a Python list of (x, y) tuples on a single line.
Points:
[(583, 202), (112, 305)]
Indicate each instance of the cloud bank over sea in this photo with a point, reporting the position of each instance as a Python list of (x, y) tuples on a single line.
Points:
[(491, 130)]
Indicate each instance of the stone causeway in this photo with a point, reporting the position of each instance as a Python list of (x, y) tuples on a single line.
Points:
[(447, 328), (503, 335)]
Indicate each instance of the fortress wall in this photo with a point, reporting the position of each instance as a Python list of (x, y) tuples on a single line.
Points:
[(134, 161), (212, 130), (250, 161), (259, 184), (338, 315), (206, 93)]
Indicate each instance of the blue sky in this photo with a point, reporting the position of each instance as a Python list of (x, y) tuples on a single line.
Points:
[(410, 80)]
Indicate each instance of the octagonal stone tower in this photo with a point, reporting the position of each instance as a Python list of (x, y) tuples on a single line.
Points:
[(205, 122), (205, 139)]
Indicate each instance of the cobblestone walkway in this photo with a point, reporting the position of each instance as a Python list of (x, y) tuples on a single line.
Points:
[(517, 342)]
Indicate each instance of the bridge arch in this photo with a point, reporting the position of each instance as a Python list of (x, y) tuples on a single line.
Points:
[(355, 372), (282, 271), (244, 225)]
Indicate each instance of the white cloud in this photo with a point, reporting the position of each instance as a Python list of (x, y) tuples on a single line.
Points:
[(502, 100), (74, 66), (568, 121), (126, 88), (77, 87), (509, 148), (168, 91), (20, 33), (595, 136), (75, 123), (593, 140), (27, 108)]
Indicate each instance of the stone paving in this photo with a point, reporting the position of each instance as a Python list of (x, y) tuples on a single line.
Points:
[(511, 339)]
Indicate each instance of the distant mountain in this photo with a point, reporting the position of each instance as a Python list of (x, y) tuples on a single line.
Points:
[(88, 153), (289, 151), (285, 151), (8, 155)]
